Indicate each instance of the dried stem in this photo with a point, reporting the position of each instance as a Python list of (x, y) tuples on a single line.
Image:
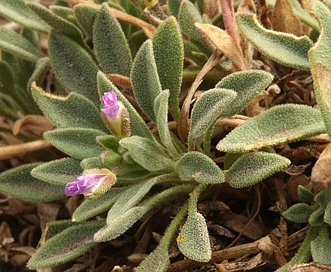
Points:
[(11, 151)]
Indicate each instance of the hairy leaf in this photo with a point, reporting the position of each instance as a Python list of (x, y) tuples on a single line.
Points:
[(161, 114), (193, 239), (17, 45), (18, 183), (199, 167), (79, 143), (145, 80), (58, 172), (321, 246), (39, 72), (284, 48), (91, 207), (253, 167), (208, 108), (157, 261), (148, 153), (299, 213), (169, 58), (18, 12), (280, 124), (110, 45), (247, 85), (72, 111), (57, 23), (73, 66), (85, 15), (66, 245)]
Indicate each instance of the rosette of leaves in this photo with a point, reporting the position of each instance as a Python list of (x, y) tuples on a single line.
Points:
[(142, 160), (316, 211)]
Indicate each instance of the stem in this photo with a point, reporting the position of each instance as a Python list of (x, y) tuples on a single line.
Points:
[(229, 22), (11, 151), (303, 253), (195, 197)]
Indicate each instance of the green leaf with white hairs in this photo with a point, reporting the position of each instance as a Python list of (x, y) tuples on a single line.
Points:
[(253, 167), (280, 124), (58, 172), (79, 143), (57, 23), (161, 114), (111, 47), (169, 57), (321, 246), (39, 72), (64, 12), (137, 124), (198, 167), (19, 183), (305, 194), (130, 198), (85, 15), (91, 207), (145, 80), (66, 245), (193, 239), (320, 61), (247, 85), (120, 224), (73, 66), (9, 107), (208, 108), (17, 45), (299, 213), (148, 153), (327, 214), (323, 198), (317, 217), (80, 110), (281, 47), (157, 261), (187, 16), (18, 12)]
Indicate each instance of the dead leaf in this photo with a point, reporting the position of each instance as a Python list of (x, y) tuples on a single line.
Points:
[(225, 43), (292, 187), (36, 123), (211, 8), (321, 172), (284, 18)]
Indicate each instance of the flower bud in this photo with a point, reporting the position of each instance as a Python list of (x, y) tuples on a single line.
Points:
[(92, 182), (115, 115)]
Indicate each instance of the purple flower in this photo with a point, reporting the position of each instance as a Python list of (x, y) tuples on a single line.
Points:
[(115, 115), (111, 105), (92, 182)]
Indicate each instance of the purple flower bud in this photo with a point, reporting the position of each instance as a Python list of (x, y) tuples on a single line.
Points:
[(111, 105), (92, 182), (115, 115)]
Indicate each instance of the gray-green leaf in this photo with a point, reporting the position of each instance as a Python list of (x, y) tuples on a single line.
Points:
[(58, 172), (253, 167), (66, 245), (280, 124), (208, 108), (148, 153), (111, 47), (169, 57), (14, 43), (199, 167), (145, 80), (18, 12), (281, 47), (19, 183), (193, 239), (79, 143), (75, 110), (247, 85), (73, 66)]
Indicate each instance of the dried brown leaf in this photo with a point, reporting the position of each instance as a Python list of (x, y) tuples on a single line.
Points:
[(284, 18), (225, 43), (321, 172), (211, 8), (37, 124)]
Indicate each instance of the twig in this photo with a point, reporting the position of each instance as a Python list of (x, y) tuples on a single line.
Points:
[(11, 151)]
